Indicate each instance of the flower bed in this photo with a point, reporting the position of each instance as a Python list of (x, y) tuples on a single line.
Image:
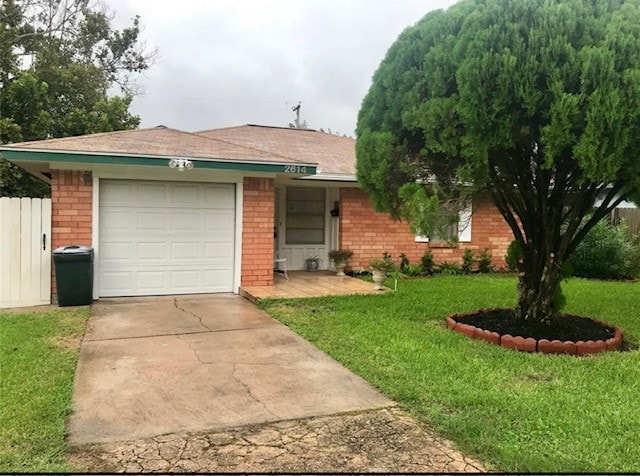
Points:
[(532, 343)]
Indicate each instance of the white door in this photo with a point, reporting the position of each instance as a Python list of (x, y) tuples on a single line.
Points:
[(305, 226), (165, 238)]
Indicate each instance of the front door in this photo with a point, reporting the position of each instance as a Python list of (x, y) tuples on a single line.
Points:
[(304, 226)]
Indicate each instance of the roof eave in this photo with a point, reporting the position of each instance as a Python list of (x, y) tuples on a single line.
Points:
[(328, 177), (110, 158)]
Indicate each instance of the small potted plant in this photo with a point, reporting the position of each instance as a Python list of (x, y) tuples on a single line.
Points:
[(380, 269), (312, 263), (340, 258)]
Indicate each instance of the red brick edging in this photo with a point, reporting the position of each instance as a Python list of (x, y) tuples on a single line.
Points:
[(532, 345)]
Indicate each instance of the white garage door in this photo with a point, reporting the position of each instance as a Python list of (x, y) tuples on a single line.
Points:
[(165, 238)]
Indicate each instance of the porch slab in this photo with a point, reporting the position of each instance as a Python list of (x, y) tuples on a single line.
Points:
[(305, 284)]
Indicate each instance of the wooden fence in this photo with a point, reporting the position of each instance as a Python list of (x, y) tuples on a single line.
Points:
[(25, 251), (631, 216)]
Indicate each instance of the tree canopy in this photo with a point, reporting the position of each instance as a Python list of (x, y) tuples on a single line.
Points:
[(58, 62), (536, 102)]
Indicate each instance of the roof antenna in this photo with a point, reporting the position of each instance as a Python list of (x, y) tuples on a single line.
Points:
[(296, 124), (296, 109)]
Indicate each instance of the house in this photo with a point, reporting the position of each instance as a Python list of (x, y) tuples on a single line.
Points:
[(173, 212)]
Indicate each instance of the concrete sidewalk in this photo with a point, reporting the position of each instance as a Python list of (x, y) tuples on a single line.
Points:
[(154, 366)]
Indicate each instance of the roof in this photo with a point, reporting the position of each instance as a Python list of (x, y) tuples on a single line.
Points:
[(334, 154), (153, 142)]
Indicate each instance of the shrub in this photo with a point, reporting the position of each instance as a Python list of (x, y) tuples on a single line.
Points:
[(384, 264), (413, 270), (404, 262), (427, 262), (513, 256), (449, 269), (467, 261), (606, 252), (484, 261), (340, 255)]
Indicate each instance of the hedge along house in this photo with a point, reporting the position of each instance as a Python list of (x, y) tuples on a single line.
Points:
[(172, 212)]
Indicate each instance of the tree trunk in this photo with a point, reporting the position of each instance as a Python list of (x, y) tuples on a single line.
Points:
[(539, 290)]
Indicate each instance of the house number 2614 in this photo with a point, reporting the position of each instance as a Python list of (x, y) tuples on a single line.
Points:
[(295, 169)]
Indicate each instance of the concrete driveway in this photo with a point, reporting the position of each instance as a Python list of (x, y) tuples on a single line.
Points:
[(153, 366)]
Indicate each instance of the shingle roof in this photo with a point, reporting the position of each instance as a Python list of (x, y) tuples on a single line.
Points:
[(333, 154), (157, 141)]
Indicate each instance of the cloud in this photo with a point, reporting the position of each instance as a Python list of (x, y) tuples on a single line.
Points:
[(225, 63)]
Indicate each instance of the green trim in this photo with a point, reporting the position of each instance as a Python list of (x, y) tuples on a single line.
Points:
[(38, 156)]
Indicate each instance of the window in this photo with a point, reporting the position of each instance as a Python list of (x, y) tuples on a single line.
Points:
[(305, 216), (462, 230)]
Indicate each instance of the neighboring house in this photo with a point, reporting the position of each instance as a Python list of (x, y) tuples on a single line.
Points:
[(253, 191)]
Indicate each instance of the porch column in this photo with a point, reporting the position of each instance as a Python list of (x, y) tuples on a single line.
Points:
[(257, 231)]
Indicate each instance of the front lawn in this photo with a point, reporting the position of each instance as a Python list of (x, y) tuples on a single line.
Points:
[(516, 411), (38, 355)]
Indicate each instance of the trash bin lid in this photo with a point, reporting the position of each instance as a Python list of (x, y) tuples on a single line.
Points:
[(73, 250)]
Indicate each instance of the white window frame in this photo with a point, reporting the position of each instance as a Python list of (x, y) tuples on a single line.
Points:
[(464, 227)]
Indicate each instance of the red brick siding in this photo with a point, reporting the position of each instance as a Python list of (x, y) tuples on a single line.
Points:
[(257, 232), (71, 210), (369, 234)]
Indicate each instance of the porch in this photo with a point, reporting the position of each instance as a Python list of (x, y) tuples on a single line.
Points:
[(304, 284)]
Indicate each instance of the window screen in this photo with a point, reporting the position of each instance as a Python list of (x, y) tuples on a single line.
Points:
[(305, 216)]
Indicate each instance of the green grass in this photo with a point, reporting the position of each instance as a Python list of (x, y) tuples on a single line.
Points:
[(515, 411), (38, 355)]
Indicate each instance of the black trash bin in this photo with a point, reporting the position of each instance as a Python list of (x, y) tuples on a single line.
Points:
[(74, 275)]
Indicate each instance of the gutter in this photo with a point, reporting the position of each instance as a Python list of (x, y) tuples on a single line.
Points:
[(115, 158)]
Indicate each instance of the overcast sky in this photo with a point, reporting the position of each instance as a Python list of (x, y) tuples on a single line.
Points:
[(224, 63)]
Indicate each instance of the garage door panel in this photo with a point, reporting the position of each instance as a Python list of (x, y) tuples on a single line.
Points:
[(152, 244), (149, 251), (213, 278), (187, 222), (187, 195), (150, 221), (154, 194), (112, 251), (118, 220), (220, 236), (185, 250), (150, 281), (219, 197), (217, 250), (116, 283), (186, 280), (214, 219), (117, 193)]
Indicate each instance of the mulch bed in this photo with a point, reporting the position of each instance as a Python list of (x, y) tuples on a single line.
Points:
[(565, 334), (563, 328)]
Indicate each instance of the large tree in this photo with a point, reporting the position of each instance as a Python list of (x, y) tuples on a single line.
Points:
[(59, 59), (536, 102)]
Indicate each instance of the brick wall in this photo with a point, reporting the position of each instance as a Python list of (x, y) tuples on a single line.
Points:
[(369, 234), (71, 210), (257, 232)]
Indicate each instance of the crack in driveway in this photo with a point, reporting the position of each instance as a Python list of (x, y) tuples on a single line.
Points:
[(235, 377), (250, 393), (195, 352), (175, 303)]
